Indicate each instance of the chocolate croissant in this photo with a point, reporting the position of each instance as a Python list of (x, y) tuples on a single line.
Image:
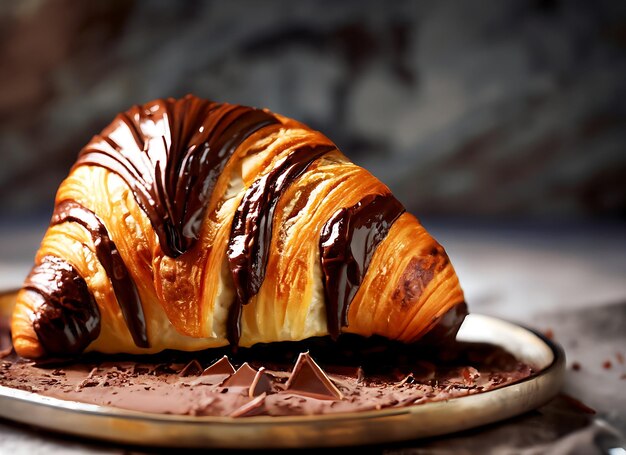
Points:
[(188, 224)]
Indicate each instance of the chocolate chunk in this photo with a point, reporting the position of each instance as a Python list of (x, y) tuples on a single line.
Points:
[(222, 366), (251, 408), (193, 368), (308, 379), (243, 377), (249, 381), (261, 384)]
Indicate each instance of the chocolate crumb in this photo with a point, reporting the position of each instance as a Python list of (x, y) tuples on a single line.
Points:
[(607, 365), (576, 366), (89, 382), (549, 334), (620, 358)]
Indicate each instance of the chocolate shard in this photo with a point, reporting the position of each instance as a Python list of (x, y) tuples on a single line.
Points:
[(221, 366), (243, 377), (261, 384), (254, 407), (193, 368), (308, 379), (249, 381)]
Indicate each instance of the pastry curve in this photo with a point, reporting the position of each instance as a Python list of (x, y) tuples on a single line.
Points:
[(188, 224)]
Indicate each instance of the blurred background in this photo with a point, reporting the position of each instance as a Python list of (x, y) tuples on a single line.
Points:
[(496, 109)]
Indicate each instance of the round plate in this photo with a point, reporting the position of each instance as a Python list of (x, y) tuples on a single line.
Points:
[(371, 427)]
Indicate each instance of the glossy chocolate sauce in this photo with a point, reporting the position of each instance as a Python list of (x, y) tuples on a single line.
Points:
[(124, 287), (171, 153), (251, 232), (67, 318), (347, 243)]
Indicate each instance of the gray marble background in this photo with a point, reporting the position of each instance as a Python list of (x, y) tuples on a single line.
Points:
[(490, 108)]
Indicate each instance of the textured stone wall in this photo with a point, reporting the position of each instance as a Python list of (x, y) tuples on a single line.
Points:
[(494, 108)]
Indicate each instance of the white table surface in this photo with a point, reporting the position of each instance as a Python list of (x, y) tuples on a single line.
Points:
[(570, 281)]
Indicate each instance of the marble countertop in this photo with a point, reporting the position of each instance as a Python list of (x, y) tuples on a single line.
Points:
[(566, 281)]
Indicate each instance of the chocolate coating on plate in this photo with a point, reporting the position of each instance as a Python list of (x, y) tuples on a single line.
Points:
[(251, 232), (67, 319), (347, 244), (124, 287), (394, 375), (171, 153)]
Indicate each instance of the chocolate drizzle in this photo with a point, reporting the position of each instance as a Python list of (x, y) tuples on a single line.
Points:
[(251, 232), (347, 243), (171, 153), (67, 319), (125, 290)]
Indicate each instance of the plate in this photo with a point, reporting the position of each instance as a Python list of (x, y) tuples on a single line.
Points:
[(371, 427)]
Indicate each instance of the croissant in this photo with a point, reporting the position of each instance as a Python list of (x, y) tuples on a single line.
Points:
[(188, 224)]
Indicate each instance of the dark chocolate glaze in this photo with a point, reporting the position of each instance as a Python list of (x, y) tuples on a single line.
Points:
[(124, 287), (251, 232), (171, 153), (67, 318), (347, 243), (445, 328)]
